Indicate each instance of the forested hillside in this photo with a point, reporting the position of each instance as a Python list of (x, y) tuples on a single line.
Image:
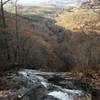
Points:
[(68, 41)]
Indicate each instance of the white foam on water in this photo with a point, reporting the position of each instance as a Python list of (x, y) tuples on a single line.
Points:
[(23, 73), (31, 73), (60, 95), (43, 81), (73, 91), (44, 84)]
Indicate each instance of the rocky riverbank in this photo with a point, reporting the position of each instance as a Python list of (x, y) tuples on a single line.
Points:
[(28, 84)]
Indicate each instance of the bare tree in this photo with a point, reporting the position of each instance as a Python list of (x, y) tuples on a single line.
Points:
[(17, 54), (2, 12)]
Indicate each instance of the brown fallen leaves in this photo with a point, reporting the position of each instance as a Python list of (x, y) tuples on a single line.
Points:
[(89, 76), (4, 93)]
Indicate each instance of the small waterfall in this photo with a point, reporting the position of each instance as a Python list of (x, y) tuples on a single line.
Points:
[(55, 91)]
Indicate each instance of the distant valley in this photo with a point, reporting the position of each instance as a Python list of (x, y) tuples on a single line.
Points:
[(49, 9)]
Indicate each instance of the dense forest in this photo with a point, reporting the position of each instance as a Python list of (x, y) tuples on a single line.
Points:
[(68, 41), (56, 37)]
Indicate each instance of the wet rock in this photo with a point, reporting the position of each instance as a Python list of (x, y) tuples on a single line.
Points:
[(36, 85), (48, 97)]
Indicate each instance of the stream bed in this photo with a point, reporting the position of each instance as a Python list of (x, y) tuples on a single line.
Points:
[(27, 84)]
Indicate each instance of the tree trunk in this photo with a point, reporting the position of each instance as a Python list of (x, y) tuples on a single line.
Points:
[(3, 15), (17, 58)]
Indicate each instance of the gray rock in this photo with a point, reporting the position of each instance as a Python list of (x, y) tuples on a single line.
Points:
[(36, 85)]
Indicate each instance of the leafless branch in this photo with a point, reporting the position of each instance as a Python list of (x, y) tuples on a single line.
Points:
[(6, 2)]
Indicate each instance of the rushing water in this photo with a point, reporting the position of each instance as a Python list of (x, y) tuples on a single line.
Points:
[(59, 92)]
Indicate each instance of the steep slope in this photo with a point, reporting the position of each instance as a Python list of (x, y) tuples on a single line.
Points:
[(43, 43), (36, 43)]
